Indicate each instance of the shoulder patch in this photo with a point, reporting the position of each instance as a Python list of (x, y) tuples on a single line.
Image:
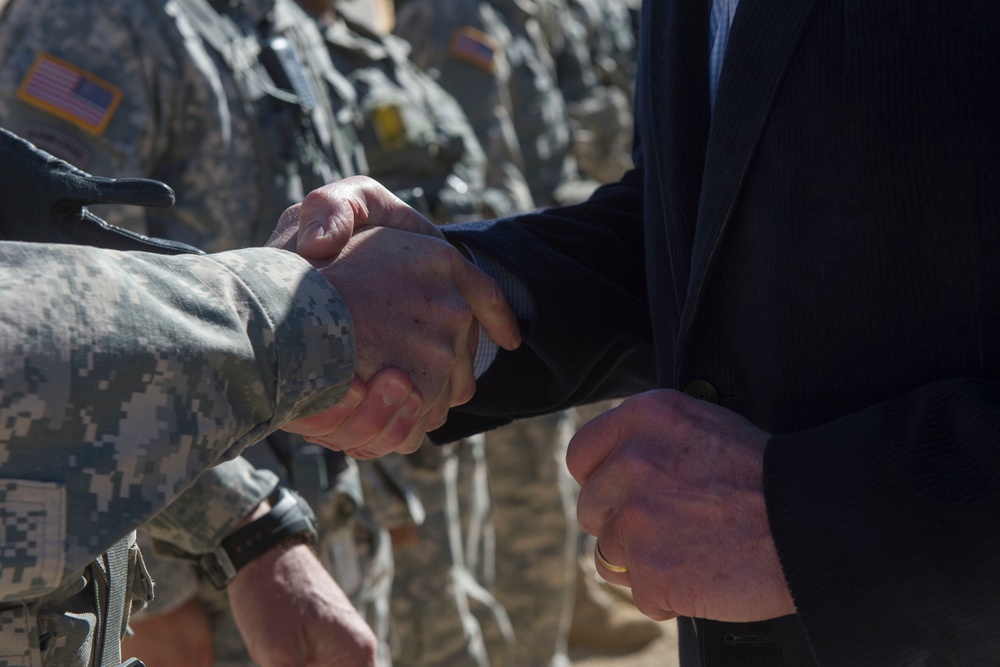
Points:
[(70, 93), (475, 47)]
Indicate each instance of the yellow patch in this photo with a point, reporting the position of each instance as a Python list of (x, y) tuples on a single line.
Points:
[(389, 126), (70, 93)]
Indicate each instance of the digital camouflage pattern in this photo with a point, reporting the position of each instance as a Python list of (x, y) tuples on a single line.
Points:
[(501, 48), (599, 112), (234, 148), (537, 535), (417, 139), (494, 57), (420, 144), (612, 39), (441, 614), (602, 117), (112, 404), (476, 71), (204, 107)]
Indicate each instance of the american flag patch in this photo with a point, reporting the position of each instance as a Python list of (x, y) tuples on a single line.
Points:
[(70, 93), (475, 47)]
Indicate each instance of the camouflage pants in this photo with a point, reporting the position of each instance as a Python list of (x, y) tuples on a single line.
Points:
[(536, 532), (440, 612)]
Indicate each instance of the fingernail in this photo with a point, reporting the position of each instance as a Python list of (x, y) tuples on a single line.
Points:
[(351, 399), (394, 392), (313, 231)]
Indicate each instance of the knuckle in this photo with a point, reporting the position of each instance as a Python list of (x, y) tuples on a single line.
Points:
[(455, 313), (443, 357), (633, 461), (436, 418), (463, 394)]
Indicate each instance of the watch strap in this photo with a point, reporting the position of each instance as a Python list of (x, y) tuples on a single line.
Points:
[(288, 517)]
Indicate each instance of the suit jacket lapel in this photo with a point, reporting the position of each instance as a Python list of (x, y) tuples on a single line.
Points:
[(673, 102), (761, 43)]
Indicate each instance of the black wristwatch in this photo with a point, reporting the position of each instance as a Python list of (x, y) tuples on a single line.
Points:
[(290, 516)]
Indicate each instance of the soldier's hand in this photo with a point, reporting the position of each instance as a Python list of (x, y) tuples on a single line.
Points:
[(291, 613), (416, 303), (330, 215), (372, 419)]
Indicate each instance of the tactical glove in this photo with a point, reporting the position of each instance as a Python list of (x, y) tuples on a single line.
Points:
[(43, 200)]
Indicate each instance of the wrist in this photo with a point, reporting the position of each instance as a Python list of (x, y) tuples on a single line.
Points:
[(283, 518)]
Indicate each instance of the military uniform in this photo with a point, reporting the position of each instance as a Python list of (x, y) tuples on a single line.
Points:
[(115, 399), (602, 115), (476, 72), (234, 104), (80, 466), (168, 106), (419, 143), (493, 56), (500, 47)]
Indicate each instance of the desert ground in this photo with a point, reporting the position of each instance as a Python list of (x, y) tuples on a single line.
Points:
[(660, 652)]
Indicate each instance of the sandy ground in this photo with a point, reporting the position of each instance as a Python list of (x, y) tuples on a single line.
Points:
[(661, 652), (604, 615)]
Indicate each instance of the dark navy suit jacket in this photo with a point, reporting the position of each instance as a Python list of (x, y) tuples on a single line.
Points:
[(822, 252)]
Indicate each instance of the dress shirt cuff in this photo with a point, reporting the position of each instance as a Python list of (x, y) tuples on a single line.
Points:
[(518, 298)]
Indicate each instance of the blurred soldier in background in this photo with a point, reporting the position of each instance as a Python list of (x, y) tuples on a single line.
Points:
[(601, 113), (535, 83), (238, 106), (594, 49), (125, 379), (494, 58), (419, 143), (611, 38), (584, 49)]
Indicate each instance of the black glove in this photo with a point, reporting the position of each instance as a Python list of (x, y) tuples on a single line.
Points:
[(42, 200)]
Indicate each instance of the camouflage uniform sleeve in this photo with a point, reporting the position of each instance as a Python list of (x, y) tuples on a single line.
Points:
[(123, 376), (210, 508)]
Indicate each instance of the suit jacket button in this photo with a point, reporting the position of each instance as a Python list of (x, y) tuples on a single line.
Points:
[(702, 390)]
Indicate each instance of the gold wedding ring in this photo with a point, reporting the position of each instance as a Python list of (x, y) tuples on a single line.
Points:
[(617, 569)]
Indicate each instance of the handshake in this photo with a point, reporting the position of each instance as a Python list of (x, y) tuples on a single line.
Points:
[(417, 305), (671, 485)]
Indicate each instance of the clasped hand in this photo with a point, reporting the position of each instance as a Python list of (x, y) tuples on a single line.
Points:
[(673, 488), (416, 304)]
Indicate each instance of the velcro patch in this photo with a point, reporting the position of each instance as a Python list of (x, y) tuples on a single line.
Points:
[(32, 535), (475, 47), (71, 93)]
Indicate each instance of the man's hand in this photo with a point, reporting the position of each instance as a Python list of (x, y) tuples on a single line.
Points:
[(330, 215), (382, 416), (673, 488), (415, 302), (291, 613)]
